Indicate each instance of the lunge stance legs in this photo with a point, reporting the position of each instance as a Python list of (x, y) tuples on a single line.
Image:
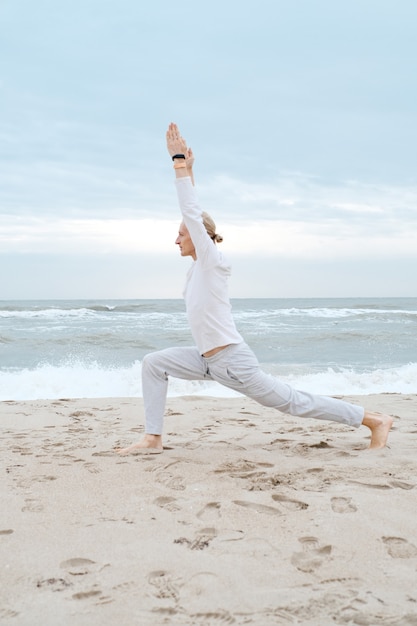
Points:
[(236, 367)]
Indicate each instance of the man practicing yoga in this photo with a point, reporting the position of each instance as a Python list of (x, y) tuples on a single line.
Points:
[(220, 353)]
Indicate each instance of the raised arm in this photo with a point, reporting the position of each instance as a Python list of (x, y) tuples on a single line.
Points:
[(190, 208), (177, 145)]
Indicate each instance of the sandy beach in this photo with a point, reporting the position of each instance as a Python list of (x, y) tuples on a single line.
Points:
[(248, 517)]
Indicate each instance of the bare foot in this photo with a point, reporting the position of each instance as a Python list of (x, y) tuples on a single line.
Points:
[(379, 425), (151, 444)]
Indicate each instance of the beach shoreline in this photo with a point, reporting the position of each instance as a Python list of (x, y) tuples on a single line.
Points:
[(248, 517)]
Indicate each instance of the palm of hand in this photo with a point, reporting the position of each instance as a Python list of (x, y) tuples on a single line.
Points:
[(175, 143)]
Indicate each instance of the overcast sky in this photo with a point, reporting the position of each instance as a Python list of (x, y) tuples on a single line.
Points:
[(302, 115)]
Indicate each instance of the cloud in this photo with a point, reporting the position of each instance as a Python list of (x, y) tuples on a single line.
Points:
[(350, 208), (276, 238), (286, 239), (93, 236), (293, 215)]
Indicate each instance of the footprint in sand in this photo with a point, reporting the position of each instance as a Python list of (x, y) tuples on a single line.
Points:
[(292, 505), (105, 453), (164, 586), (80, 567), (45, 478), (54, 584), (92, 468), (400, 548), (320, 444), (202, 540), (22, 451), (127, 586), (212, 618), (168, 503), (203, 584), (258, 508), (82, 595), (77, 566), (166, 477), (381, 486), (401, 484), (210, 511), (171, 481), (81, 414), (256, 548), (243, 468), (32, 505), (311, 557), (343, 505), (7, 613)]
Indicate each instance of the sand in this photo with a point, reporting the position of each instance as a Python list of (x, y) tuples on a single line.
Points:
[(248, 517)]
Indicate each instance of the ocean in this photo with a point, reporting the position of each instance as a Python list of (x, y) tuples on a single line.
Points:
[(88, 349)]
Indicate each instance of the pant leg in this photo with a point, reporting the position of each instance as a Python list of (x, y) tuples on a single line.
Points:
[(185, 363), (237, 367)]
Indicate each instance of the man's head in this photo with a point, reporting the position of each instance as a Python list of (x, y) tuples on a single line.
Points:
[(184, 240), (185, 243)]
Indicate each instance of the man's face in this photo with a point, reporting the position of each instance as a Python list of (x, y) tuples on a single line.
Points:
[(184, 242)]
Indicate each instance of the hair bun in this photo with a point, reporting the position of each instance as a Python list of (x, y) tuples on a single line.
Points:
[(210, 227)]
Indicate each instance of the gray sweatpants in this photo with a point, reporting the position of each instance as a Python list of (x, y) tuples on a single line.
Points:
[(236, 367)]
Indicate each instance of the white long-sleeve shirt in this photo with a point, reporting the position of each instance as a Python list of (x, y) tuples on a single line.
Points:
[(206, 294)]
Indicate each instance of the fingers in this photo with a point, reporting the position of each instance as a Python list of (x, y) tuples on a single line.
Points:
[(173, 131), (174, 128), (174, 134)]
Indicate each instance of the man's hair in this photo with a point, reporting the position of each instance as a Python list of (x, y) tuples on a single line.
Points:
[(210, 227)]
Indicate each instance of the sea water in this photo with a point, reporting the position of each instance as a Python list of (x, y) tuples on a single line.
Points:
[(90, 348)]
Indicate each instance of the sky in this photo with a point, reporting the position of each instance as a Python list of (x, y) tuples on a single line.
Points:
[(302, 116)]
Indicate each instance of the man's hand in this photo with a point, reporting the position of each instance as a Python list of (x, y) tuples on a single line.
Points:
[(189, 159), (175, 143)]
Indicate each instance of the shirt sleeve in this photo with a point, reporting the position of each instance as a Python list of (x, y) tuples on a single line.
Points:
[(205, 248)]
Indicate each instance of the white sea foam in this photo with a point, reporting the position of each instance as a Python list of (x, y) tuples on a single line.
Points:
[(323, 312), (78, 380), (50, 314), (348, 382)]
